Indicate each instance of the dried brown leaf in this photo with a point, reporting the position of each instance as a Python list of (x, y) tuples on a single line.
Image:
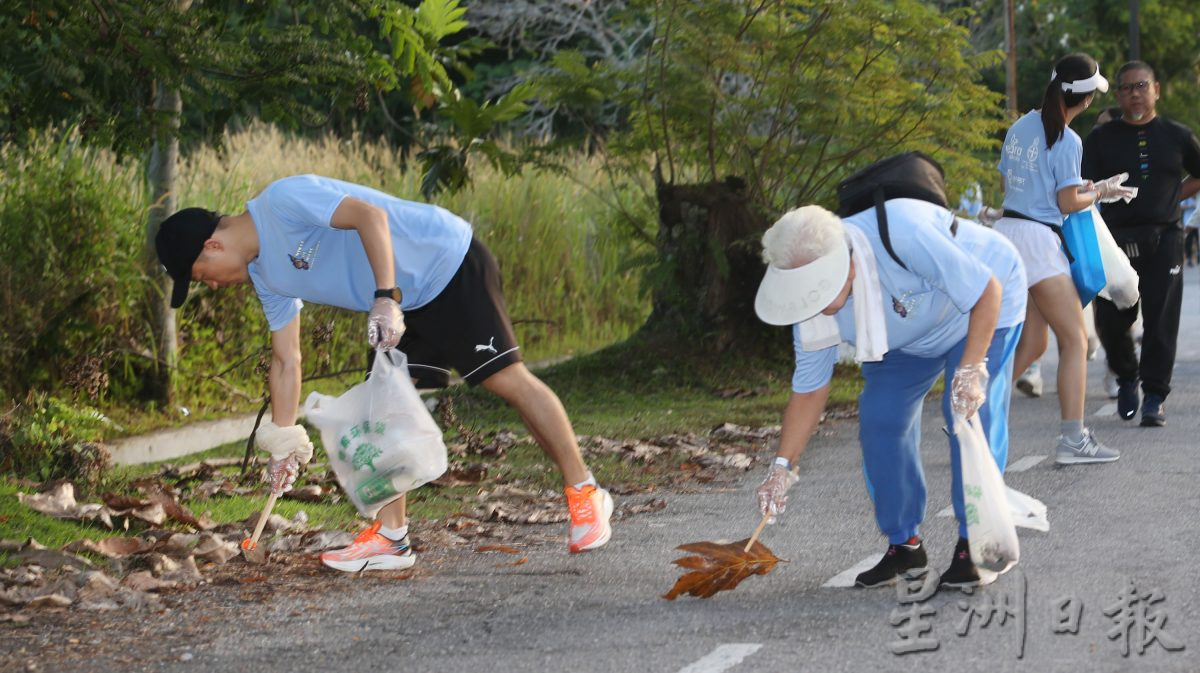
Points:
[(719, 567), (502, 548)]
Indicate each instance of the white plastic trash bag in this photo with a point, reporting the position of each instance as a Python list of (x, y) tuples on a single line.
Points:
[(990, 529), (1122, 287), (379, 435), (1027, 511)]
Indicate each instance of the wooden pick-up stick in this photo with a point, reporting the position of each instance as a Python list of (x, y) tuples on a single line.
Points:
[(758, 531)]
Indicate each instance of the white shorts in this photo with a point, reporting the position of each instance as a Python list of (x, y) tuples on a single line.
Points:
[(1040, 248)]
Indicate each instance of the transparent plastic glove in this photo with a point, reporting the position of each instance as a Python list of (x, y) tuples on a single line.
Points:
[(281, 474), (283, 442), (968, 390), (1113, 189), (989, 215), (772, 492), (385, 326)]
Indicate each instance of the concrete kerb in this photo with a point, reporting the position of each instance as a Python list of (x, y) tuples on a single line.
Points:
[(193, 438)]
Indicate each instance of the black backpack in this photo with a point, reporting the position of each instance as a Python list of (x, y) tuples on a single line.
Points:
[(912, 175)]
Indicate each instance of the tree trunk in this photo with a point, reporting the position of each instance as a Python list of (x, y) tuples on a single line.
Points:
[(709, 246), (162, 173)]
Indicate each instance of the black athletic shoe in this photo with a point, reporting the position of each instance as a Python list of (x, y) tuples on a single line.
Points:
[(1127, 399), (899, 558), (962, 571), (1153, 415)]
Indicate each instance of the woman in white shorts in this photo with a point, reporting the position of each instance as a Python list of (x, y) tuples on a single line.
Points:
[(1040, 166)]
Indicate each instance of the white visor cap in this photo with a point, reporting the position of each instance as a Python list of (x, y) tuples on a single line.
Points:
[(789, 296), (1094, 83)]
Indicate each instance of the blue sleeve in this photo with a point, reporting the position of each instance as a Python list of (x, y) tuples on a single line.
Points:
[(1066, 162), (278, 309), (814, 369), (929, 251), (304, 199)]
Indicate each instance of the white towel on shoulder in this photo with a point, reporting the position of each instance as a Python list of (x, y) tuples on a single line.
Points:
[(821, 331)]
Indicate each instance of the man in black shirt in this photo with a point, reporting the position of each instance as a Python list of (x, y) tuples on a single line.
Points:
[(1158, 154)]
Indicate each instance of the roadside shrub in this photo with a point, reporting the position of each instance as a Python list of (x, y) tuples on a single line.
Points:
[(46, 438), (70, 243)]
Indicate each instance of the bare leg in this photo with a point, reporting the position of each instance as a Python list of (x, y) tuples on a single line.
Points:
[(544, 415), (394, 515), (1033, 339), (1058, 302)]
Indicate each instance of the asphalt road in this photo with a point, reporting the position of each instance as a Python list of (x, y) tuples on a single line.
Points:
[(1130, 523)]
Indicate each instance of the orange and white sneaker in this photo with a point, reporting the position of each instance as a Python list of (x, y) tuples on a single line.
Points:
[(371, 551), (591, 507)]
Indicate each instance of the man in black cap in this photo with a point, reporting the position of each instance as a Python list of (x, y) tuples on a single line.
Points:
[(310, 238)]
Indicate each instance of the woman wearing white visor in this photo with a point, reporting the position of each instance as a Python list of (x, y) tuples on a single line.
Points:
[(955, 308), (1040, 166)]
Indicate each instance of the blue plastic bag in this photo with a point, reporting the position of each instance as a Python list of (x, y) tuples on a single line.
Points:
[(1087, 269)]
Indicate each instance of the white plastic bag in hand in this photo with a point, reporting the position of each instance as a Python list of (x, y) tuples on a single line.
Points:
[(990, 528), (1122, 286), (379, 436)]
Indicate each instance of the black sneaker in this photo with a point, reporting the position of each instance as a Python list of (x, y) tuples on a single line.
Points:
[(1153, 415), (1127, 399), (899, 558), (962, 572)]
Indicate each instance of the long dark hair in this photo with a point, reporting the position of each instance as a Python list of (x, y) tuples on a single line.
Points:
[(1055, 101)]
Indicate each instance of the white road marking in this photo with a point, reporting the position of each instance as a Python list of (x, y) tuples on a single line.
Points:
[(723, 658), (1109, 409), (846, 577), (1025, 463)]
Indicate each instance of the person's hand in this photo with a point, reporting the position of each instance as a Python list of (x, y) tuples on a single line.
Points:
[(281, 474), (288, 447), (988, 216), (968, 390), (385, 326), (1114, 189), (772, 492)]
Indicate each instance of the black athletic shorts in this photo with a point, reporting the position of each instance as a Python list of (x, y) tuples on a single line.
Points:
[(465, 328)]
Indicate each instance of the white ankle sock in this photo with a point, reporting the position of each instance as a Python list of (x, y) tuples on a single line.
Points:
[(393, 533), (590, 481)]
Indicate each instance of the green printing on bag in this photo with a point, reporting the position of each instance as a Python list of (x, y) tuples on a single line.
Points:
[(359, 430), (972, 514), (378, 487), (365, 454)]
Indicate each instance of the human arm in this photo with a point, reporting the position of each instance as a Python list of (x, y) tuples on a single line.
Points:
[(968, 389), (1191, 186), (800, 420), (285, 441), (385, 325)]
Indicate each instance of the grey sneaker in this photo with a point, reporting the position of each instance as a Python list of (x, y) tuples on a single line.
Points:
[(1088, 451)]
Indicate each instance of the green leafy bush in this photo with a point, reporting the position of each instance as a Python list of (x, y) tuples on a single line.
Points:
[(70, 240), (46, 438)]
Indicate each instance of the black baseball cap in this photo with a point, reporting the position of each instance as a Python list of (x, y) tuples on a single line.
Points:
[(179, 241)]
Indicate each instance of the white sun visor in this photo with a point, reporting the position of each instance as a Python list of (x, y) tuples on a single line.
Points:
[(1094, 83)]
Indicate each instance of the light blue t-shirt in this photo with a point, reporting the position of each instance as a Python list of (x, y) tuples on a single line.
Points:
[(1034, 175), (1000, 256), (301, 257), (926, 308)]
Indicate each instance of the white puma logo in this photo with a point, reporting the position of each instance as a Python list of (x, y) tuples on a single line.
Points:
[(486, 347), (1175, 270)]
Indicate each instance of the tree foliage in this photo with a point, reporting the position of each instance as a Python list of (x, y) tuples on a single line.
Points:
[(792, 95), (293, 62)]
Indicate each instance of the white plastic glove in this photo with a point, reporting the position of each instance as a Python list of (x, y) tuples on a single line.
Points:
[(1113, 189), (989, 215), (281, 474), (772, 492), (385, 326), (968, 390), (288, 447)]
